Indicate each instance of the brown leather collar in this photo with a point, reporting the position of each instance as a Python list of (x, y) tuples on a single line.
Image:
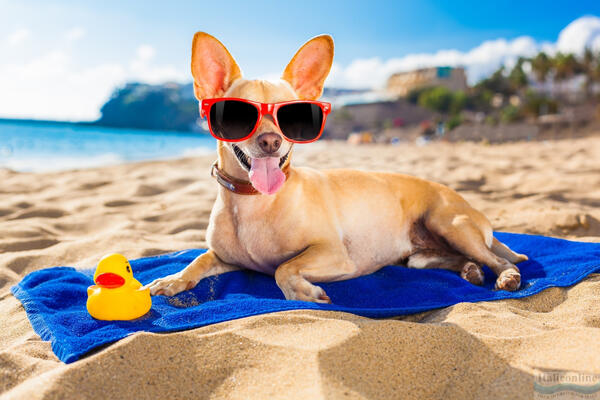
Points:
[(235, 185)]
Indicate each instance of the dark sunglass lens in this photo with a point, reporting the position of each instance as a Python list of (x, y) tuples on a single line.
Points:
[(300, 121), (232, 119)]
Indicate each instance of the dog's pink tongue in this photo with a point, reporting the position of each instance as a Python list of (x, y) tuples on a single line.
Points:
[(265, 175)]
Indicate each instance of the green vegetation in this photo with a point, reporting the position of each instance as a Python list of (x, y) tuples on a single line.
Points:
[(440, 99), (510, 114), (167, 107), (509, 95), (437, 99), (453, 122), (496, 83), (536, 104)]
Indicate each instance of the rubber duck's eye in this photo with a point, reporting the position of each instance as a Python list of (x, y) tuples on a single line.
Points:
[(128, 269)]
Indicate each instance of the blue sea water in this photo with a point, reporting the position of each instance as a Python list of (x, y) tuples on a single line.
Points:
[(37, 147)]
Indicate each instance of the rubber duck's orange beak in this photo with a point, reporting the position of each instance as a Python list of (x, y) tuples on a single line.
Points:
[(109, 280)]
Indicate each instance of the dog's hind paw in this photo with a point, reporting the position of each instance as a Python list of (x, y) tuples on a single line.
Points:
[(509, 280), (521, 257), (472, 273)]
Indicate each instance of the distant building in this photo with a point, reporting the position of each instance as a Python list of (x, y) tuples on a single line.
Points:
[(401, 83), (375, 118)]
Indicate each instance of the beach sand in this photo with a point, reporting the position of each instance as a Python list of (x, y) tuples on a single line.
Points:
[(468, 351)]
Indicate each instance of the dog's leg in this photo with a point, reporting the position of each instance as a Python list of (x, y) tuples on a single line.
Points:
[(469, 271), (318, 263), (207, 264), (466, 237), (502, 250)]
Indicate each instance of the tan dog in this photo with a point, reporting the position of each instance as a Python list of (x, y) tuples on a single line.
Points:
[(324, 226)]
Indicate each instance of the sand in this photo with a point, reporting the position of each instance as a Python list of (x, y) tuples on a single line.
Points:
[(468, 351)]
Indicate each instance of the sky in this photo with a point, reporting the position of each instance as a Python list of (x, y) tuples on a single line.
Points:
[(61, 60)]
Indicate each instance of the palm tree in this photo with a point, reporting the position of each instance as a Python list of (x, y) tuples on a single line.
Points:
[(590, 68), (541, 66), (595, 73), (587, 63), (565, 66), (517, 77)]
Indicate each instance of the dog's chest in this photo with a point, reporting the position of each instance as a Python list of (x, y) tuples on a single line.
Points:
[(246, 236)]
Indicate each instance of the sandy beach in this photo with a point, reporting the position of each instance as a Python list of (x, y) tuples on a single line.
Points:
[(468, 351)]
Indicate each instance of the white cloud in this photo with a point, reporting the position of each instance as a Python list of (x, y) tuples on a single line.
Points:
[(142, 68), (579, 34), (75, 34), (145, 52), (479, 62), (52, 86), (18, 37)]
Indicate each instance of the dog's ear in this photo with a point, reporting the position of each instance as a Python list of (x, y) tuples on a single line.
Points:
[(310, 66), (213, 68)]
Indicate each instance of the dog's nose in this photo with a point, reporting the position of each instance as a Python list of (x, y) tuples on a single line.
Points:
[(269, 142)]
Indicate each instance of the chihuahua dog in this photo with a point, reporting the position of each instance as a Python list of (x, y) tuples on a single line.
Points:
[(306, 226)]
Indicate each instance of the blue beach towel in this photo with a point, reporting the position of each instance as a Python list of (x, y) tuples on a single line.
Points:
[(55, 298)]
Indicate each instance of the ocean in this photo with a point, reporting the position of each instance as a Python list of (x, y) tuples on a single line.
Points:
[(39, 147)]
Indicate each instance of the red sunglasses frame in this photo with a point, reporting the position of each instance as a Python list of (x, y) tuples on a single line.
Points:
[(263, 109)]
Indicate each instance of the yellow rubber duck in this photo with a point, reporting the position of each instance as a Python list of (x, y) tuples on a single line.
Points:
[(116, 295)]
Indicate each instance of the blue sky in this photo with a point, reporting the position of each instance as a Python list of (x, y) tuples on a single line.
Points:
[(77, 51)]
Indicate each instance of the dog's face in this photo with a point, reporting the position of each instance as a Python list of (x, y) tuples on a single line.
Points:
[(216, 74), (267, 141)]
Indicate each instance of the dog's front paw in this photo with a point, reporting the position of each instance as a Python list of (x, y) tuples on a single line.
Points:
[(170, 285), (298, 288), (509, 280)]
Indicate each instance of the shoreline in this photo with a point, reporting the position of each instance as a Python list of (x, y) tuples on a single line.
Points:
[(206, 150)]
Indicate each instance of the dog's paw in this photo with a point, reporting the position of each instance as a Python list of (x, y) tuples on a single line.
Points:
[(521, 257), (472, 273), (509, 280), (298, 288), (170, 285)]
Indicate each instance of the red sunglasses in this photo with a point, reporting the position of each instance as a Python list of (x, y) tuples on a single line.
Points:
[(234, 120)]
